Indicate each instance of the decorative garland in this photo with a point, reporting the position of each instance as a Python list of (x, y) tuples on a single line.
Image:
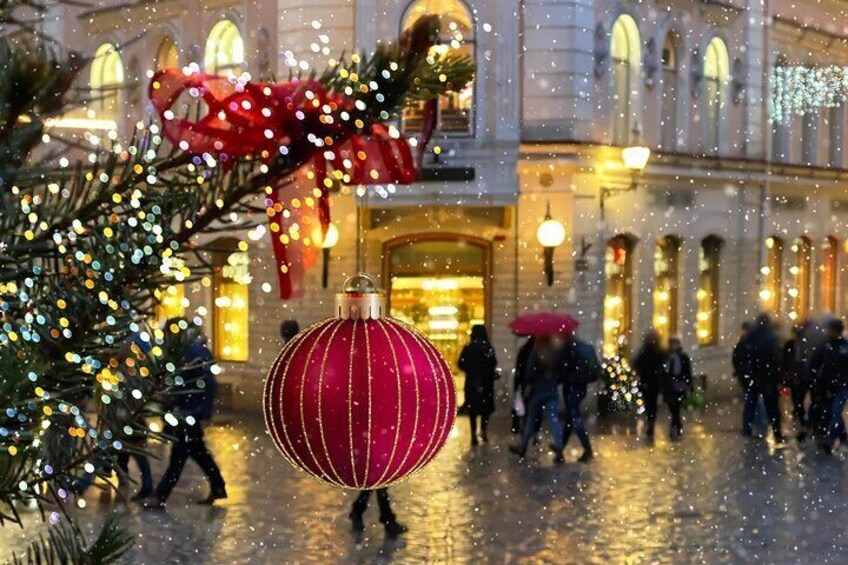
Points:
[(801, 90)]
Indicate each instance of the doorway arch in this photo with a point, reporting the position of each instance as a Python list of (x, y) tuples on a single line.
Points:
[(439, 283)]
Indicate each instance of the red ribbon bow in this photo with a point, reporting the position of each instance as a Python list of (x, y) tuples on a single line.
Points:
[(298, 120)]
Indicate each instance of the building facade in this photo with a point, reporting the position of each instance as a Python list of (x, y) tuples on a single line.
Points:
[(732, 215)]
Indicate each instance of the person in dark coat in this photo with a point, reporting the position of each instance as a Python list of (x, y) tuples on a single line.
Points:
[(795, 376), (387, 516), (288, 330), (480, 365), (649, 365), (829, 370), (543, 380), (191, 407), (519, 385), (759, 359), (676, 384), (578, 366)]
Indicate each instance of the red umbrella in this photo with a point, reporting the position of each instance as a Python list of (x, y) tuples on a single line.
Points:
[(544, 323)]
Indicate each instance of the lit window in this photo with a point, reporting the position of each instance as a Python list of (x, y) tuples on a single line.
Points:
[(666, 281), (230, 307), (716, 73), (668, 116), (708, 291), (454, 111), (224, 49), (618, 295), (106, 82), (167, 56), (626, 55), (799, 283), (771, 294), (172, 302), (828, 274)]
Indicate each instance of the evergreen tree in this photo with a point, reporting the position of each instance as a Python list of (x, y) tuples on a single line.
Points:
[(86, 245)]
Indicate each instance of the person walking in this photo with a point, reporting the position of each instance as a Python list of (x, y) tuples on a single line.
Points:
[(288, 330), (520, 387), (676, 384), (192, 406), (543, 381), (578, 366), (387, 516), (760, 363), (829, 367), (649, 365), (480, 365)]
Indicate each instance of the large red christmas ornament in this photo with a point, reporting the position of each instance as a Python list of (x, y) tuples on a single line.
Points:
[(359, 400)]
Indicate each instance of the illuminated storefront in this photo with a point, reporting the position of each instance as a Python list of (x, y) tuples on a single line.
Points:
[(830, 263), (771, 293), (799, 286), (440, 287), (618, 297), (230, 308), (709, 261), (666, 282)]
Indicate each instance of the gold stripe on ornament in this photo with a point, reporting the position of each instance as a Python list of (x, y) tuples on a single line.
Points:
[(350, 406), (425, 456), (368, 433), (324, 473), (399, 398), (417, 400), (301, 464), (320, 401)]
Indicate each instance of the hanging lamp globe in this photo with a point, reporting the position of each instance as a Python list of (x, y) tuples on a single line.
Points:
[(359, 400)]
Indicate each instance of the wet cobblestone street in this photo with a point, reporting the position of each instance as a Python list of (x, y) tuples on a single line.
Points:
[(714, 497)]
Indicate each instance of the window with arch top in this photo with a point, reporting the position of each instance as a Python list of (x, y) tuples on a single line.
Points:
[(829, 266), (454, 112), (106, 81), (618, 295), (716, 73), (224, 52), (771, 294), (167, 56), (799, 285), (707, 318), (668, 102), (626, 57), (666, 284)]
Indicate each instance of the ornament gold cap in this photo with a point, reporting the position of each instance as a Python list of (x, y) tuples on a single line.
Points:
[(360, 299)]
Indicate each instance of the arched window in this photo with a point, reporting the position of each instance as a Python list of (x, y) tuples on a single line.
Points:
[(666, 283), (231, 302), (799, 285), (167, 56), (106, 82), (716, 72), (810, 138), (829, 267), (224, 49), (626, 55), (708, 291), (455, 109), (668, 103), (618, 295), (771, 293), (836, 135), (780, 129)]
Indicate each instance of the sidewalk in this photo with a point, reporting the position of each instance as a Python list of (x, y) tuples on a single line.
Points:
[(714, 497)]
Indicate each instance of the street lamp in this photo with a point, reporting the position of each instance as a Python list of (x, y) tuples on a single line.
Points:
[(331, 238), (635, 158), (551, 234)]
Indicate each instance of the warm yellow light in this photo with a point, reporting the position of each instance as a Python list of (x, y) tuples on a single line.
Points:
[(550, 233), (635, 157), (331, 239)]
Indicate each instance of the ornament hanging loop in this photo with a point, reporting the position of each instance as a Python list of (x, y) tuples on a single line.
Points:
[(360, 299)]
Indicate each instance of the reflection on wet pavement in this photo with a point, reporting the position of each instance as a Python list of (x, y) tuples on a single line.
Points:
[(713, 497)]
